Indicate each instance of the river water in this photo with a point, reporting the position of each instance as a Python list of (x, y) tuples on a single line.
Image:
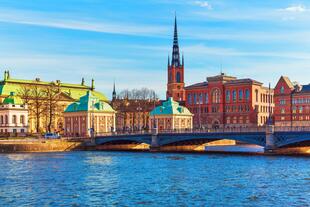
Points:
[(152, 179)]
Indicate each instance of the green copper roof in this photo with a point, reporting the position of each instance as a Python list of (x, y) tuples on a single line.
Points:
[(75, 91), (89, 102), (12, 99), (170, 107)]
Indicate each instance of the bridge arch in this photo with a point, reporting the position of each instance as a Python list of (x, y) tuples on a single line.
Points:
[(257, 138)]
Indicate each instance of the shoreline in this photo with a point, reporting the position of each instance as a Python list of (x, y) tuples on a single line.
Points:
[(63, 145)]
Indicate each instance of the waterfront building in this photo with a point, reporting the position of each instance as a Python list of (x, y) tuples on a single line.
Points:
[(87, 115), (175, 85), (133, 111), (171, 116), (49, 116), (13, 116), (225, 101), (133, 115), (292, 103)]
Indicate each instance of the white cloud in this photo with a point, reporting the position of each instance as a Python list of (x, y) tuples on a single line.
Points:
[(204, 4), (295, 8), (61, 21)]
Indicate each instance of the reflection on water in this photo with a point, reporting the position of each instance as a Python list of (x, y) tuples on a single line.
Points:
[(146, 179)]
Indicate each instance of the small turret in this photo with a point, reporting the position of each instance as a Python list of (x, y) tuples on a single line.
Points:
[(83, 82), (5, 75), (92, 84)]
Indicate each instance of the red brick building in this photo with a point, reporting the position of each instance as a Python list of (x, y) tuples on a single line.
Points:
[(225, 101), (292, 103), (175, 86)]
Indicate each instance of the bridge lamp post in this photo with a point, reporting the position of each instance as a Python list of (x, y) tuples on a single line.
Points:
[(139, 108)]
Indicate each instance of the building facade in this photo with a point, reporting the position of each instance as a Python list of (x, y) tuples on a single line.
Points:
[(175, 85), (171, 116), (133, 115), (227, 102), (292, 104), (13, 116), (88, 115), (67, 94)]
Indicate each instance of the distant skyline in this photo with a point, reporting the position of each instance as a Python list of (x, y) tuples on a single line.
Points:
[(129, 41)]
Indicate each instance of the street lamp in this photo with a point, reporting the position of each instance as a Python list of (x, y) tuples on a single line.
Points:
[(139, 110)]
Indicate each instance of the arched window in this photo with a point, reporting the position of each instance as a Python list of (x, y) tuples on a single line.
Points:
[(6, 119), (240, 94), (1, 120), (247, 94), (216, 96), (178, 77), (227, 96), (170, 77), (256, 95), (234, 95)]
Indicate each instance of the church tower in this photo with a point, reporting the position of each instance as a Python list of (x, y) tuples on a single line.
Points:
[(175, 86)]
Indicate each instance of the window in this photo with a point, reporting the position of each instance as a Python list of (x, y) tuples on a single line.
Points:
[(200, 98), (234, 95), (282, 102), (6, 119), (256, 95), (300, 109), (207, 98), (22, 119), (195, 98), (240, 95), (282, 89), (247, 94), (189, 98), (14, 119), (227, 96), (178, 78), (282, 111), (216, 96), (1, 120), (294, 109)]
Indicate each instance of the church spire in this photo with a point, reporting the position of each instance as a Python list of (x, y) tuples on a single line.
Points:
[(114, 92), (175, 50)]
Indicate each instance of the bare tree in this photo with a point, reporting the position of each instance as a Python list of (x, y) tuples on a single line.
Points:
[(25, 93), (138, 94), (51, 106)]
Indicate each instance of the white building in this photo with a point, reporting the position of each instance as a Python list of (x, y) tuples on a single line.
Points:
[(13, 115)]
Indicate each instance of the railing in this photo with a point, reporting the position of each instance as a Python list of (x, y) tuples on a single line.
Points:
[(292, 129), (219, 130)]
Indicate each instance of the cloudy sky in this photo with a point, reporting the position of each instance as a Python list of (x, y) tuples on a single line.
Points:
[(129, 40)]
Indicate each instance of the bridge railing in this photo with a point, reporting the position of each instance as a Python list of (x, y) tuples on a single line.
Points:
[(219, 130), (292, 129), (119, 133)]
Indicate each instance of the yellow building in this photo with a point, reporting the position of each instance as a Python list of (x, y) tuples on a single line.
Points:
[(28, 91), (88, 115), (171, 116)]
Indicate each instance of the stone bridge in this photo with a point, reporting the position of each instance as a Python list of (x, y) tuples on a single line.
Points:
[(268, 137)]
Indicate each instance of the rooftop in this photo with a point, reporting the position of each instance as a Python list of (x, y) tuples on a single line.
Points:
[(170, 107)]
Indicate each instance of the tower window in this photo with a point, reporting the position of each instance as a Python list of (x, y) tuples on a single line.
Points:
[(178, 77)]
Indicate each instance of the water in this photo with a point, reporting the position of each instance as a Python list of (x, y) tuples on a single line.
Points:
[(146, 179)]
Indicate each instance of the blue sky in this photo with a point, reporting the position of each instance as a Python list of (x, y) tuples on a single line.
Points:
[(129, 41)]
